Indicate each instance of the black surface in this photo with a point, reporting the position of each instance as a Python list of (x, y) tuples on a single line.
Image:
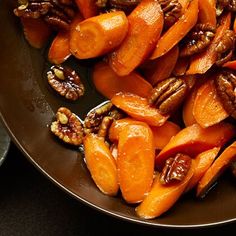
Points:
[(30, 204)]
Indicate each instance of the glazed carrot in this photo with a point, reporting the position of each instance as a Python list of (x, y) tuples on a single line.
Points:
[(145, 27), (88, 8), (207, 12), (177, 32), (135, 162), (162, 67), (203, 61), (184, 4), (36, 31), (193, 140), (138, 108), (162, 197), (181, 66), (101, 164), (216, 169), (202, 162), (234, 26), (98, 35), (230, 65), (108, 83)]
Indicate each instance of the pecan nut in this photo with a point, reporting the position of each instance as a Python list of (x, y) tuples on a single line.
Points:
[(68, 127), (168, 94), (66, 82), (104, 126), (175, 169), (229, 5), (226, 89)]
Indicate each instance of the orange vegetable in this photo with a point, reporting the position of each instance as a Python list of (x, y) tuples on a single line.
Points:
[(207, 108), (108, 83), (194, 139), (98, 35), (230, 65), (234, 26), (162, 67), (145, 26), (135, 162), (202, 162), (162, 197), (101, 164), (207, 12), (36, 31), (216, 169), (138, 108), (203, 61), (88, 8), (177, 32), (181, 66)]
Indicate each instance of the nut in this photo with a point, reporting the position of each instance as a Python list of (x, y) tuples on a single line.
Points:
[(229, 5), (175, 169), (68, 127), (197, 40), (168, 94), (226, 89), (104, 126), (66, 82)]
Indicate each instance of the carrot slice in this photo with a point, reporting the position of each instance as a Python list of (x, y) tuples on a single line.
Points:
[(101, 164), (207, 108), (138, 108), (36, 31), (138, 43), (234, 26), (108, 83), (216, 169), (230, 65), (202, 162), (207, 12), (88, 8), (203, 61), (162, 67), (194, 139), (177, 32), (98, 35), (135, 162), (181, 66), (162, 197)]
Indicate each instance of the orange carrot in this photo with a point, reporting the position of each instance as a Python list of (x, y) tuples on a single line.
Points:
[(138, 108), (108, 83), (202, 162), (145, 27), (207, 12), (98, 35), (162, 197), (230, 65), (177, 32), (234, 26), (135, 162), (201, 62), (88, 8), (216, 169), (193, 140), (181, 66), (101, 164)]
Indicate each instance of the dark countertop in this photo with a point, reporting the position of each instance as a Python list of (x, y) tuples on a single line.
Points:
[(32, 205)]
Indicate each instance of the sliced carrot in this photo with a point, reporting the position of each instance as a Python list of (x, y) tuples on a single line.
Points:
[(201, 62), (207, 12), (184, 4), (177, 32), (88, 8), (181, 66), (162, 197), (36, 31), (202, 162), (230, 65), (207, 108), (135, 162), (138, 108), (101, 164), (194, 139), (145, 27), (216, 169), (162, 67), (98, 35), (108, 83), (234, 26)]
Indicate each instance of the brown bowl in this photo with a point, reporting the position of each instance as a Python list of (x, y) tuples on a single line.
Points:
[(28, 105)]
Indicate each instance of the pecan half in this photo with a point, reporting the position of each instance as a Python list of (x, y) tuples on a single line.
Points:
[(225, 47), (104, 126), (229, 5), (168, 94), (175, 169), (197, 40), (68, 127), (66, 82), (226, 89)]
